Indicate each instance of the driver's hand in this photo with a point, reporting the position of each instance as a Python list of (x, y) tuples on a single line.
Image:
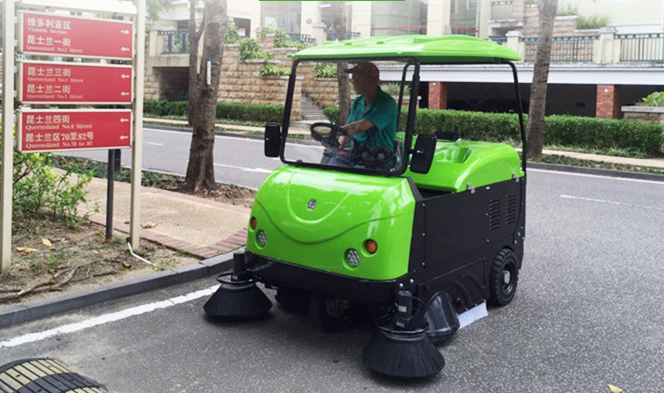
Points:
[(344, 143)]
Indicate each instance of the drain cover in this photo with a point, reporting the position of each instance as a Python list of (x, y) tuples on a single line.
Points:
[(43, 375)]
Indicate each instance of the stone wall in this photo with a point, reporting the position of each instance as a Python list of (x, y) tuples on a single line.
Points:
[(643, 114), (242, 83), (563, 25)]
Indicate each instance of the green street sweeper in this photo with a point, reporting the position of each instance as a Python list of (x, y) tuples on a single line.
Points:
[(411, 230)]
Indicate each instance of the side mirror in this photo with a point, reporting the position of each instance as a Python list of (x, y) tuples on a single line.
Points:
[(423, 153), (272, 140)]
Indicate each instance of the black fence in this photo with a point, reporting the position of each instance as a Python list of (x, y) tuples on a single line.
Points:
[(642, 47)]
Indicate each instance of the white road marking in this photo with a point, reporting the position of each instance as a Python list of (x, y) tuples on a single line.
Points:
[(106, 318), (528, 169), (254, 170), (610, 202)]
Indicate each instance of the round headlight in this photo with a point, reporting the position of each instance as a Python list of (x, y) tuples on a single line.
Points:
[(261, 238), (352, 257)]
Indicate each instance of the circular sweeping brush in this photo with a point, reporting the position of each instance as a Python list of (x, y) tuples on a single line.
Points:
[(238, 297), (403, 354)]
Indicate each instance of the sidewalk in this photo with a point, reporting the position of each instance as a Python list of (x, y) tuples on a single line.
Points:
[(201, 227)]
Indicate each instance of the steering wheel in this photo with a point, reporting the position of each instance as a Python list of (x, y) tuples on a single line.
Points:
[(327, 138)]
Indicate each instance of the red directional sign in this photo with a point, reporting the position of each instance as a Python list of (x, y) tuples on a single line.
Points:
[(83, 83), (65, 130), (51, 34)]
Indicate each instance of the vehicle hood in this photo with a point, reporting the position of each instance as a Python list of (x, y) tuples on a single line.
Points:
[(312, 205)]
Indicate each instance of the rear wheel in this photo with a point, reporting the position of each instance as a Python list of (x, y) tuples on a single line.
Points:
[(503, 278), (332, 314)]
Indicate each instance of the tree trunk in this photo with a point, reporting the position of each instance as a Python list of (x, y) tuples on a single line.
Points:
[(200, 171), (193, 56), (541, 68), (339, 25)]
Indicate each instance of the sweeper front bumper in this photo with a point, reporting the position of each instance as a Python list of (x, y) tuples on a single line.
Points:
[(275, 273)]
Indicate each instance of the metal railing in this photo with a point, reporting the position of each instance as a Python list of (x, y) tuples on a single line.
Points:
[(302, 38), (499, 40), (174, 41), (569, 49), (332, 36), (501, 10), (642, 47)]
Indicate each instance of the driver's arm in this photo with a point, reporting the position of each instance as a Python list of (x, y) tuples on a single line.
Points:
[(356, 127)]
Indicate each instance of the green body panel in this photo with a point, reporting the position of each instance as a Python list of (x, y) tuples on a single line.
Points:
[(460, 164), (350, 208), (428, 49)]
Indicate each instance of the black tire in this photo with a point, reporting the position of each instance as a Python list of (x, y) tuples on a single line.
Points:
[(333, 315), (292, 300), (503, 278)]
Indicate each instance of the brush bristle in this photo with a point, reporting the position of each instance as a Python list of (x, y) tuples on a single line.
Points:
[(233, 301), (407, 358)]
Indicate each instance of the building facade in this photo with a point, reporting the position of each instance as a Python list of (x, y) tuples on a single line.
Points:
[(617, 61)]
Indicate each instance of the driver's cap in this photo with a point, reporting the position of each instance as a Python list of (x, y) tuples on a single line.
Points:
[(368, 69)]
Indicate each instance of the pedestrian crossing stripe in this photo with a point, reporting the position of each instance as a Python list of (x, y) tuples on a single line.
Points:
[(44, 375)]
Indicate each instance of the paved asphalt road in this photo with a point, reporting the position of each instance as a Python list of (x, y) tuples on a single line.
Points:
[(238, 160), (588, 313)]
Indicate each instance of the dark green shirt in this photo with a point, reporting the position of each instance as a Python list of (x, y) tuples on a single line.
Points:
[(382, 112)]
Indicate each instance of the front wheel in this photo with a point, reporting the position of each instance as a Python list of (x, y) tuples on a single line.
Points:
[(332, 314), (503, 278)]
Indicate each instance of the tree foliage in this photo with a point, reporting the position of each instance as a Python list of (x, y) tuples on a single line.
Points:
[(153, 7)]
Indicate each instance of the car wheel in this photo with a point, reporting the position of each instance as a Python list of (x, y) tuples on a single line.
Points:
[(332, 314), (503, 278)]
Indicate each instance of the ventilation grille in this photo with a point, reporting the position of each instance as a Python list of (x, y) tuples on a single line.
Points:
[(511, 209), (495, 214)]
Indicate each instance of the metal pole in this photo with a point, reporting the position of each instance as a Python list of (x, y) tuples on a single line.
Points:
[(110, 175), (137, 146), (7, 135)]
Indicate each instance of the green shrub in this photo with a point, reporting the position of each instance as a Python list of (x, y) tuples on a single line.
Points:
[(268, 69), (250, 112), (282, 40), (654, 99), (249, 49), (235, 111), (231, 31), (592, 22), (325, 70), (597, 133), (392, 88), (560, 130), (39, 190)]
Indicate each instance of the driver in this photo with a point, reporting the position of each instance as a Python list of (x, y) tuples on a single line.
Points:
[(373, 115)]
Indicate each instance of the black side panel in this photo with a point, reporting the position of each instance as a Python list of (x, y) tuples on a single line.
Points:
[(464, 232)]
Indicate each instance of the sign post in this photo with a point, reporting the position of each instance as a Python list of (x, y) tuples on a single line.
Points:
[(137, 147), (66, 130), (74, 83), (7, 134), (54, 83)]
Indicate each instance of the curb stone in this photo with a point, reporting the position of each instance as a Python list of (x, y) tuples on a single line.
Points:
[(30, 311), (597, 172)]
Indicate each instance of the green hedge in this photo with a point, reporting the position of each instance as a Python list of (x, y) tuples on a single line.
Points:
[(238, 112), (562, 130)]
